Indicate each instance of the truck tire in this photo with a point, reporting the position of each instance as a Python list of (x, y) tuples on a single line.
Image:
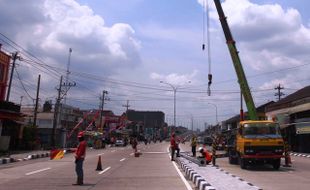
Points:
[(276, 164), (242, 162), (232, 159)]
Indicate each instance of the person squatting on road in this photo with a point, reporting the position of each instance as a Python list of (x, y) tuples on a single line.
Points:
[(79, 158), (173, 146), (194, 144), (205, 154)]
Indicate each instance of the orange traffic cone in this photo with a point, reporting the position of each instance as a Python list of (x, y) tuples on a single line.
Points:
[(288, 160), (99, 167)]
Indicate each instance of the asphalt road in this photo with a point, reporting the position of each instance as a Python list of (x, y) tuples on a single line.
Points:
[(153, 170), (265, 177)]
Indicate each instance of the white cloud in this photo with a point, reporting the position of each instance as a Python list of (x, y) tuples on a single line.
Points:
[(174, 78), (49, 28), (268, 33), (268, 37), (64, 24)]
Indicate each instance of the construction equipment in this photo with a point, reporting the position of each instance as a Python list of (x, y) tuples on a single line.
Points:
[(253, 141)]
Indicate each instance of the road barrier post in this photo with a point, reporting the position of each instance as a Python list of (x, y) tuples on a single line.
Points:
[(214, 153)]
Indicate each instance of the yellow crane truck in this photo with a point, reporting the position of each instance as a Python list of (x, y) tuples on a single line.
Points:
[(253, 141)]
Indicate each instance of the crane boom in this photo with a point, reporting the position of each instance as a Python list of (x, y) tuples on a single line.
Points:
[(245, 90)]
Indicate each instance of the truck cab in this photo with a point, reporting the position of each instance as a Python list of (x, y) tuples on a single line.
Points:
[(255, 142)]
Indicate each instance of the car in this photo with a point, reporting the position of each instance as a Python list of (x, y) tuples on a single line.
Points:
[(199, 140), (119, 142), (208, 140)]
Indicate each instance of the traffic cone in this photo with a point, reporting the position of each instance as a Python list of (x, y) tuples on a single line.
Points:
[(99, 167), (288, 160)]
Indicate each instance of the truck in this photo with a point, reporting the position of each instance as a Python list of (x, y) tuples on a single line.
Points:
[(254, 141)]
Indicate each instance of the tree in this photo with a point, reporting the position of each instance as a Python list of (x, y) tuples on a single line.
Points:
[(47, 106)]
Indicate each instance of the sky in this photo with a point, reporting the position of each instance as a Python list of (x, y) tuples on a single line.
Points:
[(128, 47)]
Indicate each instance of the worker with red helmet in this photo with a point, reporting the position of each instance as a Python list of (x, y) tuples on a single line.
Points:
[(79, 158)]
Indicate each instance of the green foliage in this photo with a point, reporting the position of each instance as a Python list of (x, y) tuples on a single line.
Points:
[(30, 136)]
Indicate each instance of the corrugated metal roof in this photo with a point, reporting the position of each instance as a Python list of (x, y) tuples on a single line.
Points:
[(289, 100)]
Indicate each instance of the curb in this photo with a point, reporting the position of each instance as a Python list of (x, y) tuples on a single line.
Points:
[(240, 179), (300, 154), (29, 157), (199, 181)]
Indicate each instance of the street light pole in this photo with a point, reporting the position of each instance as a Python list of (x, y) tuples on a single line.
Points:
[(174, 88), (174, 104), (216, 117), (174, 107)]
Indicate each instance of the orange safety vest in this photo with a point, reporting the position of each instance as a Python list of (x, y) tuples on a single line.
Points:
[(208, 156)]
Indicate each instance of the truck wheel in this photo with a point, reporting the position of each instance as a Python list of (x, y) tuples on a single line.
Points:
[(242, 162), (232, 159), (276, 164)]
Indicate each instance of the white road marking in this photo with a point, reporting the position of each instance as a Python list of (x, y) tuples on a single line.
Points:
[(182, 177), (100, 154), (180, 174), (155, 152), (122, 159), (131, 154), (113, 150), (37, 171), (105, 170)]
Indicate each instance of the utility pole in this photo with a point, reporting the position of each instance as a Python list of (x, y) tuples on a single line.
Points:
[(56, 110), (192, 123), (127, 106), (21, 99), (37, 101), (68, 72), (279, 93), (102, 103), (15, 56)]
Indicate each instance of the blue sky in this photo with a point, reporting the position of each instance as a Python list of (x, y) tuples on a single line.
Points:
[(128, 47)]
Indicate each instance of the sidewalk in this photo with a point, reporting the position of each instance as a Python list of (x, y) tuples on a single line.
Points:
[(24, 155)]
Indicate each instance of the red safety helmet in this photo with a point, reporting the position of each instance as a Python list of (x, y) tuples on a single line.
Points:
[(81, 134)]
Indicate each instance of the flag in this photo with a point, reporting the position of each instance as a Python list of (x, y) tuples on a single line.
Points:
[(57, 154)]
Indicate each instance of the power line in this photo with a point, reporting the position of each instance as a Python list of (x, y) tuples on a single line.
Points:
[(23, 84)]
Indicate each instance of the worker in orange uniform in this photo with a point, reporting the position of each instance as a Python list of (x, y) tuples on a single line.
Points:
[(79, 158), (205, 154)]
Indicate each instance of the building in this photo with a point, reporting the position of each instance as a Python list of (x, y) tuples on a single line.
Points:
[(293, 114), (11, 126), (4, 72), (68, 118), (11, 120), (149, 123)]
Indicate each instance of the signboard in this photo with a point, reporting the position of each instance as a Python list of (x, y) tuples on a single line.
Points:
[(302, 126)]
